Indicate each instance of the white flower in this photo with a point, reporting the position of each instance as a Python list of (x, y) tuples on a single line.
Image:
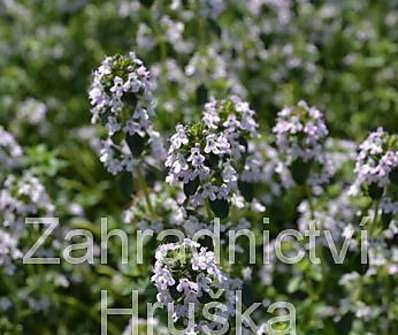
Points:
[(211, 144), (185, 272), (178, 139), (300, 132), (217, 145), (162, 279), (388, 206), (188, 287), (196, 158), (210, 191), (375, 160), (229, 174), (210, 115), (121, 100), (212, 150), (10, 151), (20, 197), (32, 111), (202, 260)]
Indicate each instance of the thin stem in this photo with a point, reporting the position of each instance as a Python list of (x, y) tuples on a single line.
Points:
[(208, 211), (144, 187), (375, 217), (201, 27), (320, 248), (310, 203), (376, 214), (157, 29)]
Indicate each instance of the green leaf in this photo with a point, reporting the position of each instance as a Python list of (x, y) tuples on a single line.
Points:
[(294, 284), (243, 141), (202, 95), (386, 219), (214, 26), (394, 176), (220, 208), (147, 3), (136, 144), (43, 161), (247, 190), (131, 99), (300, 171), (126, 183), (191, 187), (212, 161), (104, 117), (375, 192)]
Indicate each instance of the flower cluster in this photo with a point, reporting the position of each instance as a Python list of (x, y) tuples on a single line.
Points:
[(21, 197), (186, 275), (32, 111), (377, 159), (8, 251), (338, 216), (10, 151), (121, 100), (208, 157), (301, 133), (388, 206), (263, 167)]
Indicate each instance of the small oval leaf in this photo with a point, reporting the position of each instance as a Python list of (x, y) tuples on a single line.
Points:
[(136, 144), (220, 208), (202, 95), (300, 171), (247, 190), (375, 191), (191, 187)]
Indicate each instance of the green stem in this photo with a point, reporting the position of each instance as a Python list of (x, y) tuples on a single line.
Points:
[(144, 187), (209, 212), (320, 252), (375, 218), (376, 214), (157, 29), (201, 27), (310, 203)]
